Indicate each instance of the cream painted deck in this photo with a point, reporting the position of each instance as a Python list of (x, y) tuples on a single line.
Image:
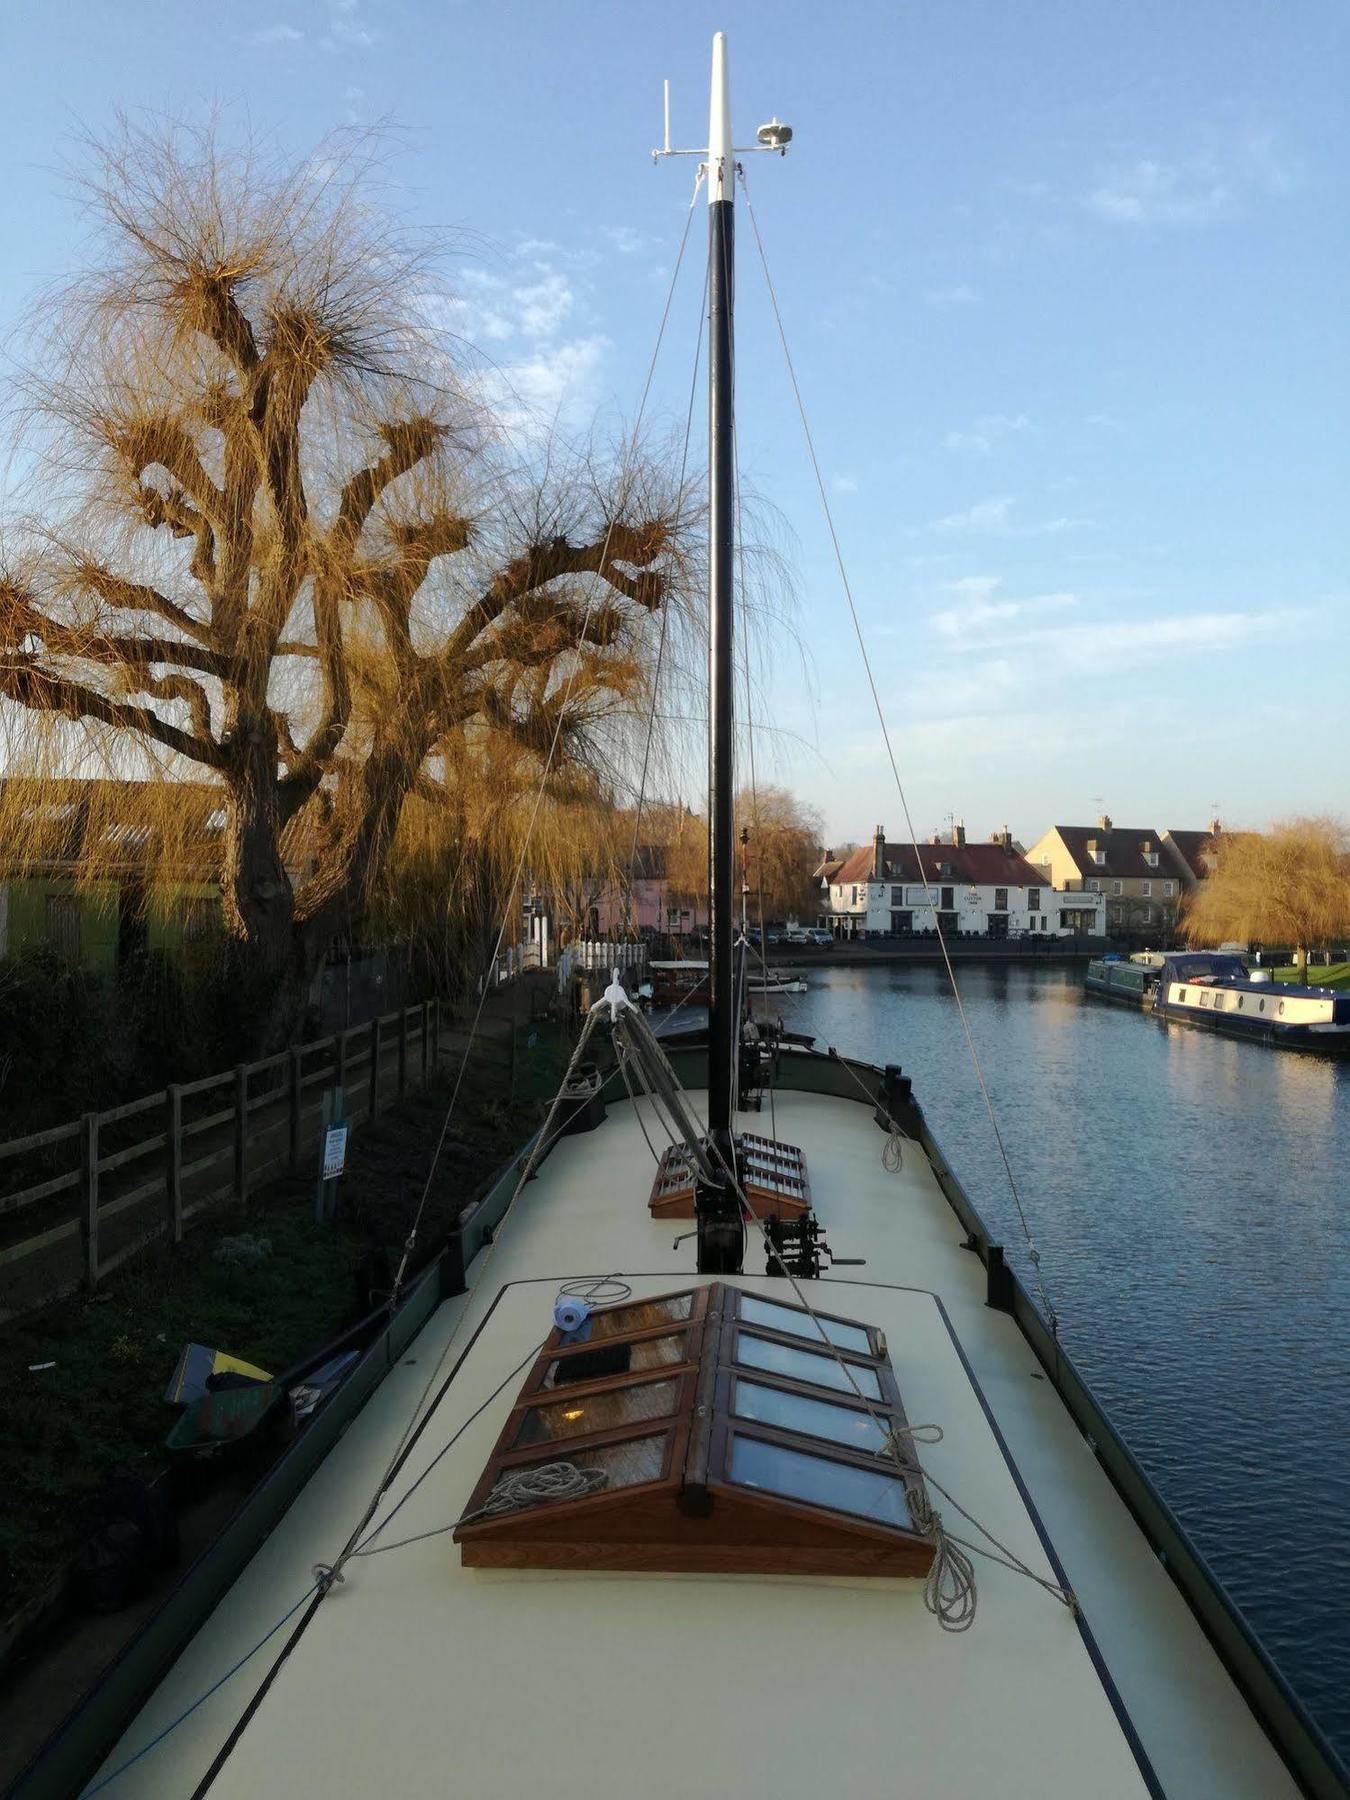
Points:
[(419, 1676)]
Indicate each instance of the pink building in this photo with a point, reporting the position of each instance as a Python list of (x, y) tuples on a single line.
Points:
[(651, 907)]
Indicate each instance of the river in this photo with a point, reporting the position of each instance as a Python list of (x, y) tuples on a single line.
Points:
[(1190, 1196)]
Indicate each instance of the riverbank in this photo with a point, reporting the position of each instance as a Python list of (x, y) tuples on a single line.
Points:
[(82, 1381), (876, 953)]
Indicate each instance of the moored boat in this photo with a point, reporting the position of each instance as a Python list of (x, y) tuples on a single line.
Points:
[(1130, 982), (712, 1510), (1218, 992)]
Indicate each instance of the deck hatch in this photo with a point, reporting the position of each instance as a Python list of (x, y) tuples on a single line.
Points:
[(752, 1451)]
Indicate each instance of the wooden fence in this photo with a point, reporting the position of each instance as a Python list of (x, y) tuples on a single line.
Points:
[(147, 1169)]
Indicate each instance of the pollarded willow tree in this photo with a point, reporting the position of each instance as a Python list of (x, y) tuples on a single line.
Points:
[(280, 543), (1288, 885)]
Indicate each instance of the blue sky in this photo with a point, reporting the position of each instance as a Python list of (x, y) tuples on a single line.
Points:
[(1065, 284)]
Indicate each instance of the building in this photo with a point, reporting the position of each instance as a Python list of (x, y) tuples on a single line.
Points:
[(651, 903), (982, 890), (1194, 852), (1140, 872)]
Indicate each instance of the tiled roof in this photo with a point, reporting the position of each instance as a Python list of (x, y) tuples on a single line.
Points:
[(1124, 847), (971, 865), (1191, 847)]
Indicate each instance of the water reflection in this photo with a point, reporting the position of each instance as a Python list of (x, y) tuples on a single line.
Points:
[(1189, 1194)]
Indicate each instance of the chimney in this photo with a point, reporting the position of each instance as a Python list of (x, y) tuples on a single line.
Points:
[(959, 834), (937, 837), (879, 853), (1214, 828), (1104, 823)]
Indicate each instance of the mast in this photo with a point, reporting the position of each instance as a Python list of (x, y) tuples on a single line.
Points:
[(723, 1020)]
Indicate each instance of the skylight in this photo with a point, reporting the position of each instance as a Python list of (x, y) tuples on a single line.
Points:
[(709, 1430)]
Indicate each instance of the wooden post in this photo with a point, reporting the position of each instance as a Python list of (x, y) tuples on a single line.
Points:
[(297, 1099), (89, 1197), (426, 1041), (373, 1104), (404, 1018), (173, 1161), (436, 1035), (241, 1131)]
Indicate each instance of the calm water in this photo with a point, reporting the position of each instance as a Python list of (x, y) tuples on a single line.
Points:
[(1191, 1200)]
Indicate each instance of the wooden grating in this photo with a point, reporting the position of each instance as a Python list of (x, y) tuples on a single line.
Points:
[(773, 1175)]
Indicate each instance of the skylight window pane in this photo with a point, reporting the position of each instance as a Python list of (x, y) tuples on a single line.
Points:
[(797, 1412), (806, 1365), (586, 1364), (625, 1319), (755, 1311), (597, 1412), (797, 1476)]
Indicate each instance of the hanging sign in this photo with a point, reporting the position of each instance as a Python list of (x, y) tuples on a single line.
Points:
[(334, 1152)]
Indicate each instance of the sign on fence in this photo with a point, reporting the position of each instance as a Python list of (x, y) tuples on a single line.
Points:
[(334, 1152)]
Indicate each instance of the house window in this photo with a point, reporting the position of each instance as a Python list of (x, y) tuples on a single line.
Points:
[(751, 1409), (897, 896), (1099, 857), (1117, 888), (1181, 994), (1169, 888), (1033, 899), (63, 925), (855, 894), (946, 899), (1151, 858), (1000, 899), (1145, 888), (1093, 887), (901, 923), (1148, 915)]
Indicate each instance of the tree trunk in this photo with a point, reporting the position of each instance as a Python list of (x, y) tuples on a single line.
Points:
[(1301, 963)]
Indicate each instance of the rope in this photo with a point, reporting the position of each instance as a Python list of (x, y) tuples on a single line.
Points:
[(546, 1481), (1051, 1315)]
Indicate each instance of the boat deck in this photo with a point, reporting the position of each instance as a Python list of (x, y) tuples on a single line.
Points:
[(417, 1675)]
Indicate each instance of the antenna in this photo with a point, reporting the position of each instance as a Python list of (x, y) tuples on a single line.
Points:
[(666, 150), (775, 136)]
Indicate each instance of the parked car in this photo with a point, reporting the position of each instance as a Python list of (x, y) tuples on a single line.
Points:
[(807, 934)]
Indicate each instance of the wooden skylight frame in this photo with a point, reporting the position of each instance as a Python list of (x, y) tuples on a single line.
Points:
[(730, 1439)]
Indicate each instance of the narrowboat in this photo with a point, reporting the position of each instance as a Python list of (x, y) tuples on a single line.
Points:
[(1219, 993)]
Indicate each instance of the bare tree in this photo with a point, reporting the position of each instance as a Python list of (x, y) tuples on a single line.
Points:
[(280, 542), (1289, 885), (781, 850)]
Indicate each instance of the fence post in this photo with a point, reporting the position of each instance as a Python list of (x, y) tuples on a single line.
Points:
[(296, 1097), (241, 1131), (173, 1160), (373, 1105), (89, 1196), (405, 1016), (436, 1035), (426, 1041)]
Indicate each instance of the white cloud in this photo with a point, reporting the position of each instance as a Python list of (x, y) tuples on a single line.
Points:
[(555, 381), (543, 304), (845, 484), (960, 295), (276, 34), (985, 515), (994, 517), (346, 30), (987, 431), (976, 607), (1217, 183)]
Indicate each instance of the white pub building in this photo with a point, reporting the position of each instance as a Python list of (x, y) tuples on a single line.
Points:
[(975, 890)]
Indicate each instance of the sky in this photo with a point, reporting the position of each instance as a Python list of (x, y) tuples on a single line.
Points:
[(1064, 282)]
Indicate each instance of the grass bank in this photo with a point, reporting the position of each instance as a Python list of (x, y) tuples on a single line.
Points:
[(1335, 975), (100, 1405)]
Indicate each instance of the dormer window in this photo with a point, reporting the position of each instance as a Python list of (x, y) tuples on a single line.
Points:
[(713, 1430)]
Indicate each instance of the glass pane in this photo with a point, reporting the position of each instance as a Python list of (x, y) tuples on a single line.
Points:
[(791, 1318), (805, 1365), (623, 1465), (798, 1476), (640, 1318), (597, 1412), (586, 1364), (794, 1412)]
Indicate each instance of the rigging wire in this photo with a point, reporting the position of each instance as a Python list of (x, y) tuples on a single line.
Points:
[(1052, 1316), (621, 500)]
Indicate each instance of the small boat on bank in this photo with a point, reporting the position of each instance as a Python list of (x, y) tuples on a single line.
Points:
[(1219, 992), (673, 982)]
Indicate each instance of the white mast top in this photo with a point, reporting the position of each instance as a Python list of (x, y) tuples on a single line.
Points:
[(721, 158)]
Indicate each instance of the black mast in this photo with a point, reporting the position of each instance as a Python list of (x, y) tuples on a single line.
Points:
[(720, 1232)]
